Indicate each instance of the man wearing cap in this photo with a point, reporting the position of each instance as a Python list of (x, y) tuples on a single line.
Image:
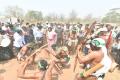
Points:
[(97, 54)]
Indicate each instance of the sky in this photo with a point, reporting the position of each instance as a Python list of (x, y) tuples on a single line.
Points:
[(97, 8)]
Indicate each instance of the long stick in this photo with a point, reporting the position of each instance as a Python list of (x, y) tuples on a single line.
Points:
[(75, 63), (88, 32), (109, 40), (93, 69), (37, 51)]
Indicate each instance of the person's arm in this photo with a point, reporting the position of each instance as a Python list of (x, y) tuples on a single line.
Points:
[(21, 71), (87, 58), (48, 75)]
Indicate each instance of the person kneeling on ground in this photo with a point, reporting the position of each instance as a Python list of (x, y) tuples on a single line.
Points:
[(63, 56), (44, 70), (24, 51)]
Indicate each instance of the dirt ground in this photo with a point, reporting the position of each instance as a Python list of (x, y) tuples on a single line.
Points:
[(8, 71)]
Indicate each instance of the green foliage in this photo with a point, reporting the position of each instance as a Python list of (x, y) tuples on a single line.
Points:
[(72, 16), (33, 16), (111, 17), (37, 16), (14, 11)]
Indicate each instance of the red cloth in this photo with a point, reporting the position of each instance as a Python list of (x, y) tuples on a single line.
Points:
[(109, 40)]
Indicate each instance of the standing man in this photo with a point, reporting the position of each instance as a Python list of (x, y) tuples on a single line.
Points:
[(59, 32), (18, 41), (51, 39), (25, 30)]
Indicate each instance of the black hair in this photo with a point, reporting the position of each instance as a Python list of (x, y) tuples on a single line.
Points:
[(44, 65), (27, 23), (94, 48), (19, 31), (2, 32), (40, 27), (73, 32), (50, 28)]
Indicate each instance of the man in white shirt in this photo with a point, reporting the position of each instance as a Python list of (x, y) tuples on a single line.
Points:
[(18, 41), (38, 34)]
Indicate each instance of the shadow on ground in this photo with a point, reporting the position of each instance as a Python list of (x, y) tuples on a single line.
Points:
[(3, 62), (2, 71)]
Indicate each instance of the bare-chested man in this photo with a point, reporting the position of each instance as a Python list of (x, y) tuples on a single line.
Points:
[(73, 40), (63, 57), (97, 54), (43, 72)]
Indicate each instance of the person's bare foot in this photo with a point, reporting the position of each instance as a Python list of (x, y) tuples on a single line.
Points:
[(113, 66)]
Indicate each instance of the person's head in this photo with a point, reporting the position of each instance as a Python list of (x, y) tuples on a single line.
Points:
[(86, 26), (33, 25), (63, 51), (19, 32), (42, 65), (109, 27), (3, 24), (74, 30), (80, 25), (2, 32), (38, 24), (50, 29), (103, 31), (27, 24), (96, 44)]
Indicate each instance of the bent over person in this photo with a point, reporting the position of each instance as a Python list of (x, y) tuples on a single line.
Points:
[(43, 72)]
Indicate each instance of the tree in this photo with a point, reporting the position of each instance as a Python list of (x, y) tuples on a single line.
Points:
[(112, 17), (72, 16), (89, 18), (51, 17), (14, 11), (33, 16), (61, 18), (48, 18)]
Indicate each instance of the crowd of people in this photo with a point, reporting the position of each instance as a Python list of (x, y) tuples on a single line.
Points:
[(95, 46)]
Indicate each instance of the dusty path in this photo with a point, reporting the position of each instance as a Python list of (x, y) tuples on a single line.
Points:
[(8, 71)]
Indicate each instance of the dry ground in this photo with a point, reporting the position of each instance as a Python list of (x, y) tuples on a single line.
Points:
[(8, 70)]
